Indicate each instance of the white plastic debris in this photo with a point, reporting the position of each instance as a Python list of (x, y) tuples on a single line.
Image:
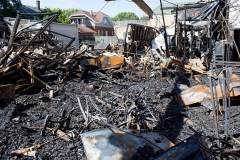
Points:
[(37, 51)]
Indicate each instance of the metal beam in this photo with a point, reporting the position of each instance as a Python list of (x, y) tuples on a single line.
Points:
[(143, 6)]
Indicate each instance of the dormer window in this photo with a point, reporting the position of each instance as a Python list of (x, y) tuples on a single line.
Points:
[(105, 22), (81, 21)]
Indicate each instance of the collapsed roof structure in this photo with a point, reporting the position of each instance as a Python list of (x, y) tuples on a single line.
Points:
[(200, 34)]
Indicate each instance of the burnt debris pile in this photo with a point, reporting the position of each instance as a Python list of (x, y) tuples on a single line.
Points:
[(160, 95)]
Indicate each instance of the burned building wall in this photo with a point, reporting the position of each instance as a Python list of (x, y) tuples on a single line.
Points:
[(191, 12), (66, 29)]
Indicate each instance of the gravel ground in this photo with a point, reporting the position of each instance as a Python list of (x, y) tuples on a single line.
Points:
[(22, 120)]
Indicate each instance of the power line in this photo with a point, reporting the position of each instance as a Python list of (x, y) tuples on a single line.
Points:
[(102, 8)]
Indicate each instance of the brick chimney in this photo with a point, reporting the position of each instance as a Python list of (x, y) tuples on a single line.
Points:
[(38, 4)]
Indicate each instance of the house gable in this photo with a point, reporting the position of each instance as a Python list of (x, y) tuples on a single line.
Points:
[(91, 19), (98, 22), (106, 22)]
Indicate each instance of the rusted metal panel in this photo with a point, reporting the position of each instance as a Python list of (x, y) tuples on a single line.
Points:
[(196, 94), (114, 144), (234, 90), (7, 92), (110, 61), (106, 61)]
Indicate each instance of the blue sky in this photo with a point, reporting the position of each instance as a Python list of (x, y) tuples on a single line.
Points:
[(111, 9)]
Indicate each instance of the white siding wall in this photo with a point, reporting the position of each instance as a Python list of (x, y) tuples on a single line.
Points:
[(66, 29), (157, 21)]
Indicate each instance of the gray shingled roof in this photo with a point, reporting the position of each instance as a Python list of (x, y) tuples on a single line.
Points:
[(29, 9)]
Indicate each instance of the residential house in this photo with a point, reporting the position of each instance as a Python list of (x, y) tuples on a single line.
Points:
[(92, 24)]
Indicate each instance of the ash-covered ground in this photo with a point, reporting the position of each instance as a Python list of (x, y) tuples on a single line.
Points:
[(22, 121)]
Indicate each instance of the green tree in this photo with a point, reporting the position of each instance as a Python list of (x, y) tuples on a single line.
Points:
[(63, 17), (10, 7), (144, 18), (68, 12), (125, 16)]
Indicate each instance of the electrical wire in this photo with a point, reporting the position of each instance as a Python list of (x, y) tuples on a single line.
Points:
[(101, 8), (170, 2)]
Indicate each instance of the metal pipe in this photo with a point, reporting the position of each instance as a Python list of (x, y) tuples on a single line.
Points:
[(125, 37), (185, 33), (223, 88), (228, 63), (225, 103), (86, 98), (214, 106), (176, 21), (81, 109), (165, 32)]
